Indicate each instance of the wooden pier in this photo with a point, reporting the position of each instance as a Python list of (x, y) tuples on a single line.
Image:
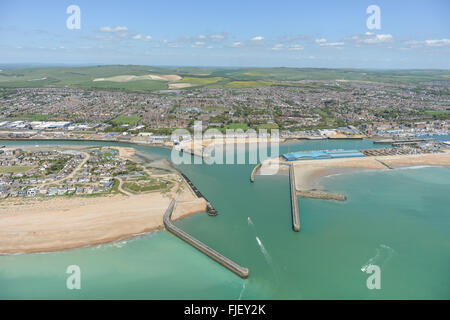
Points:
[(294, 203), (227, 263)]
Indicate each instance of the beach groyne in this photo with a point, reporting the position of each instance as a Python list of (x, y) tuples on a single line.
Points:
[(384, 164), (252, 175), (227, 263), (294, 203)]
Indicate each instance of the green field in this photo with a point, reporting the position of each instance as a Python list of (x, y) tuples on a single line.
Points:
[(201, 80), (15, 169), (31, 116), (267, 126), (82, 77), (145, 187), (249, 84), (130, 120), (236, 126)]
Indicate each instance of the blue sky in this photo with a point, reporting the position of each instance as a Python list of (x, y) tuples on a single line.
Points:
[(413, 34)]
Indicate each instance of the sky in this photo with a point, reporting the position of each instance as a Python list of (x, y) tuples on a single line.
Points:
[(247, 33)]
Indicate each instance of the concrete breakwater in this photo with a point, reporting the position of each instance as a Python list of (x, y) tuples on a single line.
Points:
[(317, 194), (256, 168), (227, 263), (294, 204), (209, 207)]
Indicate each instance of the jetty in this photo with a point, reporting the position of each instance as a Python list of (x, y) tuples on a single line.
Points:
[(294, 203), (252, 175), (227, 263), (209, 207)]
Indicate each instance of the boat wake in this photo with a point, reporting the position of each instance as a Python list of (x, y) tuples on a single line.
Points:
[(264, 252), (383, 254), (244, 285)]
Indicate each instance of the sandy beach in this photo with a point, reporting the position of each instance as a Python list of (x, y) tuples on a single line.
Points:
[(58, 224), (32, 225), (309, 172)]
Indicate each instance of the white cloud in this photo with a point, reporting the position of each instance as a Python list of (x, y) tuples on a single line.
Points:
[(141, 37), (379, 38), (258, 38), (332, 44), (295, 47), (278, 47), (372, 38), (322, 40), (217, 36), (237, 44), (174, 45), (198, 44), (437, 43), (427, 43), (113, 29)]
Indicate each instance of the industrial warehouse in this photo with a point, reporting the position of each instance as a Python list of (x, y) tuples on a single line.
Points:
[(430, 147)]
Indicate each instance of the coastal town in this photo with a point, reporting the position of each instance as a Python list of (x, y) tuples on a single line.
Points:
[(310, 109), (45, 172)]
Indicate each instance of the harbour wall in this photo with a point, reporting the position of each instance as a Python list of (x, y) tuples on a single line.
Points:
[(294, 203), (227, 263)]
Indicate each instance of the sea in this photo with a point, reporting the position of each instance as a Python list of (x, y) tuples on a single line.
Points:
[(397, 220)]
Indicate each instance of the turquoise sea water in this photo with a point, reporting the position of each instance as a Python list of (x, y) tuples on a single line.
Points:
[(397, 219)]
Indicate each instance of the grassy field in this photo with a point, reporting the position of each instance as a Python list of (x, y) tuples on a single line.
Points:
[(249, 84), (31, 116), (130, 120), (15, 169), (201, 80), (267, 126), (235, 126), (145, 187), (82, 77)]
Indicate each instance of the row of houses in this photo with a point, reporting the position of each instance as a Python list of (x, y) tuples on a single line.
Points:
[(104, 186)]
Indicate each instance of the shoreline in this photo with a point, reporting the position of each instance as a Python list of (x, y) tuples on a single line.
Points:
[(309, 173), (60, 224), (36, 225)]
